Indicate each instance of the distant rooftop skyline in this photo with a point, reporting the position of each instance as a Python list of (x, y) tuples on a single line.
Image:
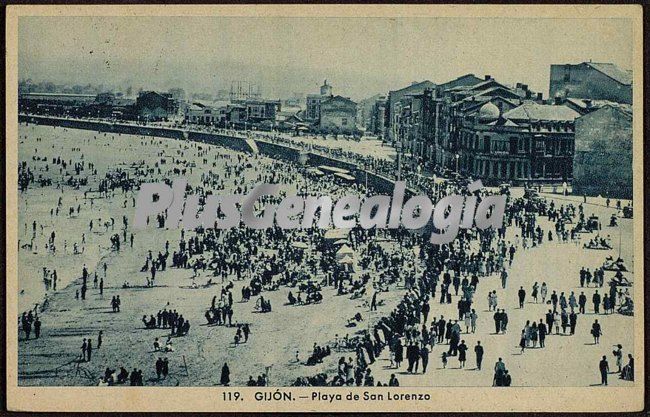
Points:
[(359, 57)]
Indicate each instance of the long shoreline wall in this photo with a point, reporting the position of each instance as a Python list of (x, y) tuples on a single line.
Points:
[(274, 150)]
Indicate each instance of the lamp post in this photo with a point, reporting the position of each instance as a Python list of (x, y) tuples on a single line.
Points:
[(457, 158), (399, 161)]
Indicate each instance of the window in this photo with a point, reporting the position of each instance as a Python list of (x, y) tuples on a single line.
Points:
[(567, 73), (344, 122), (540, 146), (520, 144)]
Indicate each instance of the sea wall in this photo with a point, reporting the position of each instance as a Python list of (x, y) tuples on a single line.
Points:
[(379, 183)]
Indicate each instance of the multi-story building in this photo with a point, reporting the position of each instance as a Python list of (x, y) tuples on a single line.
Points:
[(461, 101), (391, 124), (338, 115), (312, 113), (377, 116), (152, 105), (531, 143), (261, 110), (416, 118), (603, 152), (591, 80), (199, 113), (331, 114)]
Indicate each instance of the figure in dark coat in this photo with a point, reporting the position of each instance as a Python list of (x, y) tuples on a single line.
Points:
[(225, 375)]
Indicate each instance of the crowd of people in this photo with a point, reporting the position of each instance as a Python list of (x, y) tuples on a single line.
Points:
[(262, 261)]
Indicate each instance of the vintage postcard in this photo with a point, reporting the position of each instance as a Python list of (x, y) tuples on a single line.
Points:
[(324, 208)]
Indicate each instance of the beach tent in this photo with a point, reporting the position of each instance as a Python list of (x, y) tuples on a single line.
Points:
[(346, 260), (344, 250), (337, 234)]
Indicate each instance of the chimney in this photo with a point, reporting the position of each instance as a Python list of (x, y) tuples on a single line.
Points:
[(524, 86), (488, 77), (539, 96), (588, 103), (518, 85), (528, 93), (558, 100)]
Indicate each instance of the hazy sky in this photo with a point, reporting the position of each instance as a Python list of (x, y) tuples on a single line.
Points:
[(360, 57)]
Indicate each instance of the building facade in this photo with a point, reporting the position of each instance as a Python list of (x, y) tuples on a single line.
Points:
[(262, 110), (312, 113), (377, 116), (459, 103), (338, 115), (531, 143), (198, 113), (391, 121), (152, 105), (591, 80), (603, 152)]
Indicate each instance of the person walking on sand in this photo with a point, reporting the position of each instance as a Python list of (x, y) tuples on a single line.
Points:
[(89, 349), (522, 296), (84, 350), (99, 339), (604, 369), (543, 292), (165, 368), (462, 353), (37, 328), (596, 332), (225, 375), (618, 354), (478, 350), (534, 292), (159, 367)]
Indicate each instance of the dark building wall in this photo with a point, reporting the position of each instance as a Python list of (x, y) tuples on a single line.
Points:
[(583, 81), (603, 159)]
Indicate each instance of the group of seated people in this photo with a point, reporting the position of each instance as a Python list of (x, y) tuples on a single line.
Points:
[(169, 347), (318, 354), (312, 297), (614, 265), (502, 378), (260, 382), (627, 373), (627, 306), (318, 380), (110, 379), (263, 306), (354, 320), (598, 243), (620, 280)]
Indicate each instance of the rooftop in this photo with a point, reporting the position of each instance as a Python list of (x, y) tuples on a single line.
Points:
[(613, 71), (535, 111)]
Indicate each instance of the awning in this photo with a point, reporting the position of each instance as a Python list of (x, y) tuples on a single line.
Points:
[(346, 177), (332, 169), (316, 171)]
